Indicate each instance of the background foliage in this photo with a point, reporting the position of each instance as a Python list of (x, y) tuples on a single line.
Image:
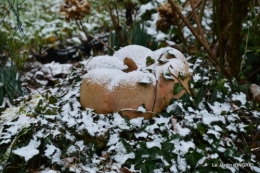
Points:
[(10, 47)]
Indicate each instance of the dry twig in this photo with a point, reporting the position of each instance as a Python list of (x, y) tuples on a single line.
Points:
[(211, 57)]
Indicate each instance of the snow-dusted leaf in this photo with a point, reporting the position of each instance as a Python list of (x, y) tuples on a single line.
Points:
[(177, 88), (241, 97), (146, 80), (28, 151), (163, 61), (6, 155), (141, 109), (167, 75)]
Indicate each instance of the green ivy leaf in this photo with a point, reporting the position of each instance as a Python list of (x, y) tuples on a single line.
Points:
[(149, 61), (213, 96), (221, 86), (177, 88), (39, 106), (249, 128), (182, 75), (166, 151), (201, 128), (193, 158), (163, 61), (142, 150), (146, 166), (127, 146), (52, 100), (199, 95), (7, 154), (1, 95), (50, 111), (168, 76)]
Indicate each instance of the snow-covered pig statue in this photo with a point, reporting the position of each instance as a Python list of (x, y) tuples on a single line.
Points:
[(135, 81)]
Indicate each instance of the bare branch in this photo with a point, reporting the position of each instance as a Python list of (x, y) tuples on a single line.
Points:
[(211, 57)]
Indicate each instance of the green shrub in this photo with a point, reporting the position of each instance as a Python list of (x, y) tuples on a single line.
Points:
[(136, 35), (197, 133), (250, 45), (10, 44)]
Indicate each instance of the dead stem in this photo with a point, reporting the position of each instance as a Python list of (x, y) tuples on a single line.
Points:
[(200, 31), (80, 25), (179, 27), (179, 81), (211, 57)]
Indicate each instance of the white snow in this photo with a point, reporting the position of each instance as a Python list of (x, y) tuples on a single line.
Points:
[(162, 120), (28, 151), (102, 76), (174, 65), (22, 122), (119, 121), (71, 149), (217, 128), (239, 159), (141, 135), (145, 7), (182, 147), (76, 40), (221, 149), (122, 154), (209, 118), (9, 114), (182, 163), (145, 81), (137, 122), (135, 52), (92, 127), (50, 149), (255, 168), (173, 168), (53, 153), (51, 171), (218, 108), (131, 79), (213, 132), (242, 126), (182, 131), (196, 77), (214, 156), (232, 127), (155, 143), (113, 139), (151, 128), (241, 97), (206, 138), (110, 62), (171, 107), (55, 68)]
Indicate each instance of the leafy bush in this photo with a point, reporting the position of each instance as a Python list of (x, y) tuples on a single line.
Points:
[(251, 46), (10, 85), (205, 132)]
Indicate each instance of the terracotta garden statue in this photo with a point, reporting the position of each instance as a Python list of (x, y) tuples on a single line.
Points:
[(135, 81)]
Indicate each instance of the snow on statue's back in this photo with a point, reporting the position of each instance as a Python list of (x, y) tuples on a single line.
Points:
[(135, 52), (108, 88), (106, 61)]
